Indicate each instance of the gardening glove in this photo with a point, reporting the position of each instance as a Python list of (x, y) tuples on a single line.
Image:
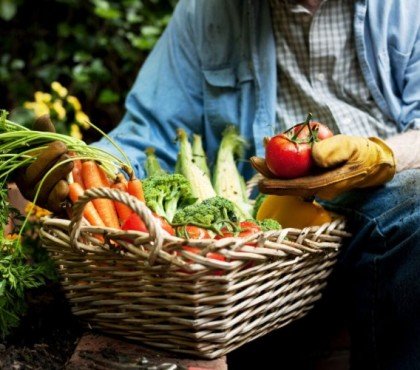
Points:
[(345, 162), (54, 189)]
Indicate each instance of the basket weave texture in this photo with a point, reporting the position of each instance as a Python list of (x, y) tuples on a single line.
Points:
[(146, 287)]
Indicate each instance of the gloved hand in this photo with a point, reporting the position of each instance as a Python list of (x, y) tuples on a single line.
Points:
[(345, 162), (55, 188)]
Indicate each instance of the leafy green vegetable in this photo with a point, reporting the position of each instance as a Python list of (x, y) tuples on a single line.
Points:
[(18, 145), (23, 266)]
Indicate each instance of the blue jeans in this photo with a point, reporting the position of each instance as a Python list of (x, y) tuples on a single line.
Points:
[(380, 270)]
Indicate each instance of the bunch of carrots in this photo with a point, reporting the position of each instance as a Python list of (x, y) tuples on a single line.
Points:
[(102, 212)]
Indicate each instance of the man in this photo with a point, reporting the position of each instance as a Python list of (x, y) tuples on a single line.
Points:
[(263, 66)]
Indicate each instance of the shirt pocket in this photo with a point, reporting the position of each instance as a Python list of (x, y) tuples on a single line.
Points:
[(225, 92), (394, 64)]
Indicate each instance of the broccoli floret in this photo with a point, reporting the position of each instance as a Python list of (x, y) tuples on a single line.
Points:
[(269, 224), (226, 208), (167, 193), (213, 213)]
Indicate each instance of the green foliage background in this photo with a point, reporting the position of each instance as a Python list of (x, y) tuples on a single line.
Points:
[(93, 47)]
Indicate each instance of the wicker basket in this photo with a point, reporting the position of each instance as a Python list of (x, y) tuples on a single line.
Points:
[(146, 288)]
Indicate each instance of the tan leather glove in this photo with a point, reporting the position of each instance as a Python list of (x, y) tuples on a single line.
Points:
[(55, 188), (345, 162)]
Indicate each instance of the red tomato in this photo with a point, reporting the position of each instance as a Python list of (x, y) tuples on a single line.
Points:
[(212, 255), (193, 232), (321, 131), (134, 222), (288, 159), (247, 228), (164, 224), (289, 155)]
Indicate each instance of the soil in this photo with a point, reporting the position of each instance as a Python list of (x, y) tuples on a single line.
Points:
[(47, 335)]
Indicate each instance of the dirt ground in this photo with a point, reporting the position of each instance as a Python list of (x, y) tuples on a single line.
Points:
[(47, 335)]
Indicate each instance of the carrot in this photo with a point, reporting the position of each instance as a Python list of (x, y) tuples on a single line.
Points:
[(135, 188), (105, 207), (77, 172), (123, 211), (104, 177), (90, 213)]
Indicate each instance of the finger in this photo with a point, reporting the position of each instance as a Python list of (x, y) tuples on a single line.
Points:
[(311, 185), (44, 123), (260, 165), (335, 150), (44, 162), (58, 196), (59, 173)]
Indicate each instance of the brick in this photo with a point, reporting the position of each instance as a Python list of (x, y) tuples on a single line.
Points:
[(95, 351)]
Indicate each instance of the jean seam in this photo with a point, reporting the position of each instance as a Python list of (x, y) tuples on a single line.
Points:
[(375, 298), (373, 317)]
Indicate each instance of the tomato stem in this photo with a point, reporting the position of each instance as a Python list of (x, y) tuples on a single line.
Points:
[(306, 123)]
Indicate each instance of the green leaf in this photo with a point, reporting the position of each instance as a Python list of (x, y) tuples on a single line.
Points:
[(82, 56), (150, 30), (17, 64), (108, 13), (108, 96), (8, 9)]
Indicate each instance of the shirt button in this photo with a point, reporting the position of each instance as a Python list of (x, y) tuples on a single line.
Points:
[(346, 121), (320, 77)]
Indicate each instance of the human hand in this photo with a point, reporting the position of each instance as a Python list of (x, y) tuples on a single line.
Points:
[(344, 162), (54, 189)]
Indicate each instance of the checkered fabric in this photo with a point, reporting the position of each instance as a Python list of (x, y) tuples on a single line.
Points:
[(318, 70)]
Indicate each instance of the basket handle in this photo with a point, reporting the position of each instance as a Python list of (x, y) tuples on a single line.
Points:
[(155, 230)]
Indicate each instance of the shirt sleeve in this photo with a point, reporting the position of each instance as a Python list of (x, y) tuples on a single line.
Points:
[(167, 94), (410, 113)]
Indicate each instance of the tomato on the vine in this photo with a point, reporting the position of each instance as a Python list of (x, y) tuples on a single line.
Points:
[(286, 158), (320, 131), (289, 155)]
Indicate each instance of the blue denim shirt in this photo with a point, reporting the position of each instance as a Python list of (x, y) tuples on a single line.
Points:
[(215, 65)]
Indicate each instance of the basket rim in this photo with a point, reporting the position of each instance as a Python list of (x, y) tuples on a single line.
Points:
[(169, 249)]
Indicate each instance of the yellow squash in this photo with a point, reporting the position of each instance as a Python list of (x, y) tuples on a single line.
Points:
[(293, 211)]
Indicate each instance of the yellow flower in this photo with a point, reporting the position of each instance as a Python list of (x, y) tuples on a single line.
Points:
[(82, 119), (41, 97), (59, 109), (12, 236), (29, 105), (74, 102), (36, 211), (39, 108), (59, 89), (75, 131)]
